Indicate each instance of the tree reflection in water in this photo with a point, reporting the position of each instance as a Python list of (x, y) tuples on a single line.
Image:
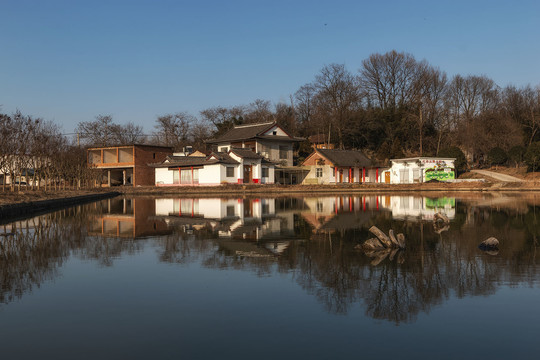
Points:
[(312, 240)]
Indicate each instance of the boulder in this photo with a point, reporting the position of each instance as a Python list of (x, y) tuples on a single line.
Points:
[(489, 244)]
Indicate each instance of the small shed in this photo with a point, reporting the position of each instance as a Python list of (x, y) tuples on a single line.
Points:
[(420, 169), (332, 166)]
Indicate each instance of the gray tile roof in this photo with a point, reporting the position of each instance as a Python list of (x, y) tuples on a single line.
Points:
[(184, 161), (246, 153), (251, 131), (243, 132), (346, 158)]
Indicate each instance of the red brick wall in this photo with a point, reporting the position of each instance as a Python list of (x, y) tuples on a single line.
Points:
[(144, 155)]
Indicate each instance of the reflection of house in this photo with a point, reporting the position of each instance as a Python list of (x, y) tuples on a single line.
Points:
[(232, 167), (423, 208), (250, 219), (127, 165), (330, 166), (327, 214), (129, 218), (420, 169)]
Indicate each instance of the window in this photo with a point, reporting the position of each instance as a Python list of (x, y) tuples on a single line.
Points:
[(224, 149), (318, 172), (274, 132), (283, 152), (185, 176), (404, 176), (229, 171), (230, 210), (264, 172), (154, 155), (176, 177)]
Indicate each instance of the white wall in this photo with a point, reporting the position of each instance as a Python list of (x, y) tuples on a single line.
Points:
[(210, 175), (164, 176)]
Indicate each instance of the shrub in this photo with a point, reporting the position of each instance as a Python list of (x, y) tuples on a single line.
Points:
[(532, 157), (455, 152), (516, 154), (497, 156)]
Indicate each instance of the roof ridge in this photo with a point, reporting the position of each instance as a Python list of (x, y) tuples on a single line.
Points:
[(253, 124)]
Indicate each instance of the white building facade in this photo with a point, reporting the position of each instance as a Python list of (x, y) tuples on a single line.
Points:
[(235, 167), (420, 169)]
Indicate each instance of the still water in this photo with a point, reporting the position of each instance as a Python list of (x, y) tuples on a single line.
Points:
[(266, 278)]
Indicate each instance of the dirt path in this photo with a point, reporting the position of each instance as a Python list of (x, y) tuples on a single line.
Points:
[(498, 176)]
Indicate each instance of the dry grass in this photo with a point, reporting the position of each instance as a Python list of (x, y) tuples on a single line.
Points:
[(25, 196)]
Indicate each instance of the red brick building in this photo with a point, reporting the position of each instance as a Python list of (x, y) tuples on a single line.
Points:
[(127, 165)]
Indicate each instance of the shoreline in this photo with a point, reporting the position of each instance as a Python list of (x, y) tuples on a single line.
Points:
[(18, 204), (13, 211)]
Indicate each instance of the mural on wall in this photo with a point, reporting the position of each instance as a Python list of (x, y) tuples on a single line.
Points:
[(438, 171)]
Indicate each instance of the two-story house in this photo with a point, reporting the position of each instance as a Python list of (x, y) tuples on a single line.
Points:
[(127, 165), (267, 139)]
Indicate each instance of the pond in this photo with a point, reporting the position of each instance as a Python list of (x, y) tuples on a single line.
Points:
[(268, 278)]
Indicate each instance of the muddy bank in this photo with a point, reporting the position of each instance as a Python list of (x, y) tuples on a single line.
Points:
[(10, 212)]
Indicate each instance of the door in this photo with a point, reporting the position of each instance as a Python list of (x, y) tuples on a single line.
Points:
[(387, 177), (248, 174)]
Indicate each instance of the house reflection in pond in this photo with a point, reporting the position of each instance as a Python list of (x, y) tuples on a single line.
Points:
[(237, 219), (421, 208), (126, 218), (329, 214)]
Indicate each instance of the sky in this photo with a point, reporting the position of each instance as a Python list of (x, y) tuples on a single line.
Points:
[(69, 61)]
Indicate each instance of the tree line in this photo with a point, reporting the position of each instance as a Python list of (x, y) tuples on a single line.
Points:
[(391, 106)]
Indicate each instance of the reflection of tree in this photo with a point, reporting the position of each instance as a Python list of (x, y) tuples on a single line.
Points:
[(323, 262)]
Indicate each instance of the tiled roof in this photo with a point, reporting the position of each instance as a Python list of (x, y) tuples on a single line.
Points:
[(243, 132), (183, 161), (223, 157), (246, 153), (347, 158)]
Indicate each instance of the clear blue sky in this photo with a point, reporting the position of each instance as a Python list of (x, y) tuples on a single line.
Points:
[(68, 61)]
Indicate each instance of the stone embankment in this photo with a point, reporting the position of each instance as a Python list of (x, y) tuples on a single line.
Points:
[(14, 210)]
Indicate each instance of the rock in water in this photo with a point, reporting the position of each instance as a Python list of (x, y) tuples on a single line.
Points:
[(401, 240), (372, 244), (442, 217), (395, 242), (383, 238), (489, 244)]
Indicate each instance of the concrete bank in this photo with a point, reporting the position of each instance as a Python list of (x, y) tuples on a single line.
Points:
[(271, 190), (25, 209)]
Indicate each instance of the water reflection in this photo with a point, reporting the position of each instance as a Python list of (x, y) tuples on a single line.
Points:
[(311, 239)]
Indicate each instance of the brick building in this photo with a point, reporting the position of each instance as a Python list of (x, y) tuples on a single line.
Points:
[(127, 165)]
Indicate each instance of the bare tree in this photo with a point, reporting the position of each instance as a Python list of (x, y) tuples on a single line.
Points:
[(391, 79), (223, 118), (259, 111), (337, 96), (305, 107), (173, 129)]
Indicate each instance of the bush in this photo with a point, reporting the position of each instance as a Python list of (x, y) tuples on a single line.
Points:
[(455, 152), (497, 156), (516, 154), (532, 157)]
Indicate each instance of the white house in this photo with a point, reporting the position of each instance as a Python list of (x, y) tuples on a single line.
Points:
[(420, 169), (237, 166)]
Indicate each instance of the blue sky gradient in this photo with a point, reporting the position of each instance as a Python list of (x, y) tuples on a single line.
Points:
[(68, 61)]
